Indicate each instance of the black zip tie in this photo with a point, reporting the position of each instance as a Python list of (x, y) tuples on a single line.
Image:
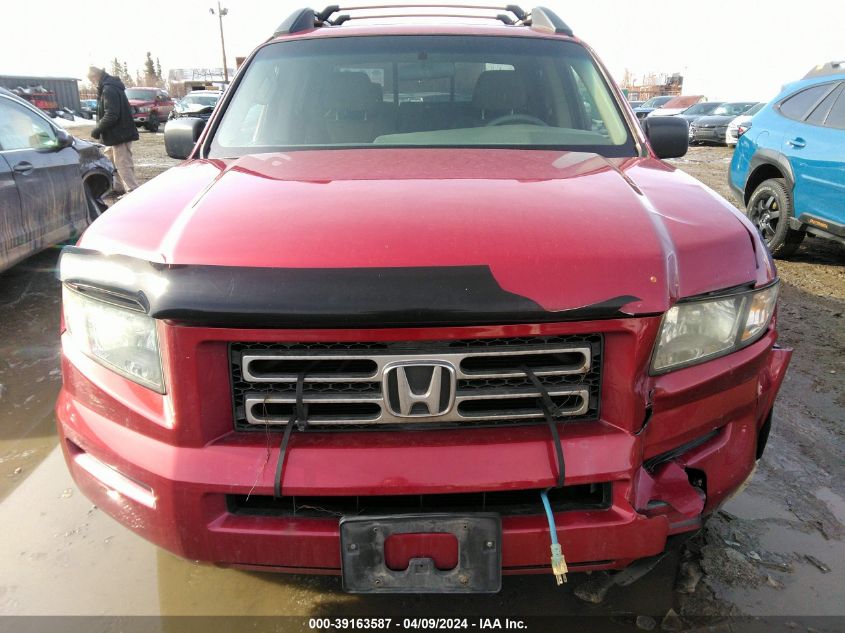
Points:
[(550, 412), (300, 415)]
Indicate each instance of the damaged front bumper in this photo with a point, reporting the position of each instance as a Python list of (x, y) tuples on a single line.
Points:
[(661, 465), (96, 169)]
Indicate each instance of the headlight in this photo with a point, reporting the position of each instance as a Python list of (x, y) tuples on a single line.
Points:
[(118, 338), (695, 331)]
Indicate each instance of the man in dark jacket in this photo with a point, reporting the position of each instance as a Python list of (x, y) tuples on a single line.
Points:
[(115, 125)]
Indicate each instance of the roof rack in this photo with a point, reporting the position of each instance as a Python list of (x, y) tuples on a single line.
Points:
[(539, 18), (830, 68)]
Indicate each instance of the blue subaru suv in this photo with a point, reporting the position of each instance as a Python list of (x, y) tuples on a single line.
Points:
[(789, 166)]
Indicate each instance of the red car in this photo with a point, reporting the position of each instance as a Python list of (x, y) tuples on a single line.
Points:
[(423, 307), (150, 106)]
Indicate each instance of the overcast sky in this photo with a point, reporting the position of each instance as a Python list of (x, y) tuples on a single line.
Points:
[(724, 51)]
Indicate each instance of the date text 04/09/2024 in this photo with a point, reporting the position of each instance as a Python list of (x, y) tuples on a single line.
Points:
[(415, 623)]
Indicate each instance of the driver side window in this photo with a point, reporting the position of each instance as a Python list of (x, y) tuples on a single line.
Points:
[(22, 129)]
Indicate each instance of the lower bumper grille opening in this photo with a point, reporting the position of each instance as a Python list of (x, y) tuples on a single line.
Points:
[(506, 503)]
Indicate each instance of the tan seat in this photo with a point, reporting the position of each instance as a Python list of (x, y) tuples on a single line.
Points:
[(353, 109), (499, 92)]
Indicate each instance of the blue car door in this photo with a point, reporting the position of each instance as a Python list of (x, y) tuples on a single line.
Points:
[(815, 148)]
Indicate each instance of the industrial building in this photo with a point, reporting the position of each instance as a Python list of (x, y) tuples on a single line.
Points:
[(65, 89)]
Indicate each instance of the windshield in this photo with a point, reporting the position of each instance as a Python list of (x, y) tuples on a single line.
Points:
[(731, 109), (140, 94), (204, 100), (656, 102), (755, 109), (422, 91), (702, 108)]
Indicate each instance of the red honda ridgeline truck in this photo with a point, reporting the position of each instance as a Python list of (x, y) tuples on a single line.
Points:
[(423, 307)]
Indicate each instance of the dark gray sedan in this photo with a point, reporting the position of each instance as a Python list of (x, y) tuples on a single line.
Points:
[(51, 183), (698, 110), (714, 128)]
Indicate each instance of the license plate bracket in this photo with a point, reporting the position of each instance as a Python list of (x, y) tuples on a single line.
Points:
[(479, 568)]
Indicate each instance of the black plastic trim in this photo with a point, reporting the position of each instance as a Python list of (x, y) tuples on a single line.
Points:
[(363, 561), (577, 498), (770, 157), (300, 20), (822, 225), (763, 435), (653, 462), (231, 296)]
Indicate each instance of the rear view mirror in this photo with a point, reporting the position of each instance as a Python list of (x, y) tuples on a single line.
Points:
[(667, 135), (180, 136)]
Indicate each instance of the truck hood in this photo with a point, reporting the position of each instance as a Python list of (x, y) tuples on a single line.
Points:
[(564, 230)]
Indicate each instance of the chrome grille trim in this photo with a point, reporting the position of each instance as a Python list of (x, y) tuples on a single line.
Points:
[(456, 360), (253, 404), (489, 386)]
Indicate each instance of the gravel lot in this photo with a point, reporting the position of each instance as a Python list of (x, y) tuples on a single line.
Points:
[(776, 549)]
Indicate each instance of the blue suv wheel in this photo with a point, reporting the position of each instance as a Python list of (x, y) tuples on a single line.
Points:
[(770, 210)]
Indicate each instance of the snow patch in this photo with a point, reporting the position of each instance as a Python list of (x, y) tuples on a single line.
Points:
[(78, 121)]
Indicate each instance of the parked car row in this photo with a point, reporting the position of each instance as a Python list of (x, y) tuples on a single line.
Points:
[(152, 107), (649, 106), (713, 128), (199, 104), (709, 121), (740, 124), (88, 108), (677, 105)]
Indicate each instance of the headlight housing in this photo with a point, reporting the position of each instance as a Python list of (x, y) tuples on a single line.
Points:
[(118, 338), (692, 332)]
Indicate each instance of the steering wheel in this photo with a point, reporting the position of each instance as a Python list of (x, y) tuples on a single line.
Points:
[(507, 119)]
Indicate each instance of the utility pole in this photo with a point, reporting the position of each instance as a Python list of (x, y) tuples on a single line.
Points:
[(220, 13)]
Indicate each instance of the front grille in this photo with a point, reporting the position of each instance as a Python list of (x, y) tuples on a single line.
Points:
[(346, 383), (506, 503)]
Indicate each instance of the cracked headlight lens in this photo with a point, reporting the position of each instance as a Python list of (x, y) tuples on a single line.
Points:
[(120, 339), (694, 331)]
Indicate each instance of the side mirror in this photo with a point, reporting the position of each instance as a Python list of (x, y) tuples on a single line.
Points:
[(667, 135), (180, 136), (63, 139)]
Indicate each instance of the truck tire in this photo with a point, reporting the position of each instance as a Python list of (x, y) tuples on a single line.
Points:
[(770, 208)]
